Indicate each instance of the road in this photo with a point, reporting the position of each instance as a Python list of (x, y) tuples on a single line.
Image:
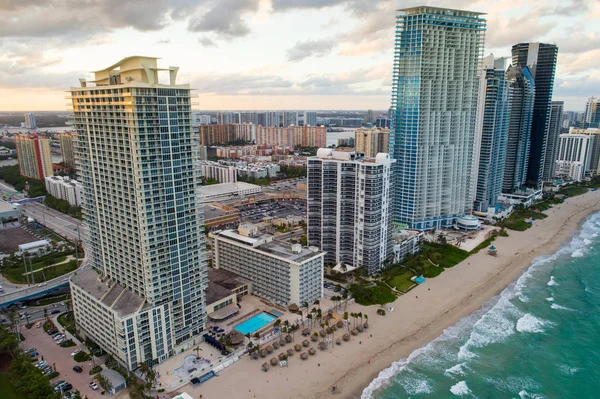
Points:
[(37, 313), (64, 225)]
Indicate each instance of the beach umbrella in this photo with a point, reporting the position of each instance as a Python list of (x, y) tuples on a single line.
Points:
[(274, 361), (346, 337), (306, 332), (314, 338), (366, 325), (282, 356), (288, 338), (297, 347), (303, 356), (275, 345), (312, 351), (360, 328), (338, 341), (265, 367), (269, 349), (282, 342), (305, 343), (323, 346), (322, 333), (290, 352), (254, 355), (339, 324), (262, 353), (236, 337), (354, 332)]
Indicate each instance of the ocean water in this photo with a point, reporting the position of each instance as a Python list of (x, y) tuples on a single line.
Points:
[(540, 338)]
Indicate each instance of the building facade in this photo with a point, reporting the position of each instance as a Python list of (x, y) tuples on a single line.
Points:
[(371, 141), (282, 273), (554, 127), (220, 173), (540, 58), (310, 118), (349, 207), (143, 297), (292, 136), (62, 187), (591, 116), (67, 148), (30, 122), (290, 118), (522, 92), (434, 106), (34, 157), (492, 133), (574, 156), (594, 168)]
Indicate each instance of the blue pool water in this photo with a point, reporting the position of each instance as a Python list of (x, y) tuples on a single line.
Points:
[(254, 323), (276, 313)]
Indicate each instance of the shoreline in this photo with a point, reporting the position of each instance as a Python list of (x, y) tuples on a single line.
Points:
[(419, 317)]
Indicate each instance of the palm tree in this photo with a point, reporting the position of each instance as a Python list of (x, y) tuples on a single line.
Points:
[(197, 349), (318, 303), (322, 328), (345, 298), (310, 318), (360, 315), (345, 317), (46, 314), (103, 382), (366, 318)]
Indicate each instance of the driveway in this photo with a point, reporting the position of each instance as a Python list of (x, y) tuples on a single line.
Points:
[(61, 358)]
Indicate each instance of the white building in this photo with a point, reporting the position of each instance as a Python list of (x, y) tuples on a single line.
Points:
[(225, 191), (142, 298), (310, 118), (349, 207), (62, 187), (198, 119), (280, 272), (30, 121), (433, 114), (219, 172), (574, 156), (259, 170)]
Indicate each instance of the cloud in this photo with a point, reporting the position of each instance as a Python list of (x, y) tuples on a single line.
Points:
[(225, 18), (575, 7), (164, 41), (207, 42), (280, 5), (504, 32), (309, 48)]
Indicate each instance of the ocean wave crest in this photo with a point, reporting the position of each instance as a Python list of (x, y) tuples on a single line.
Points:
[(558, 307), (552, 282), (460, 389), (532, 324)]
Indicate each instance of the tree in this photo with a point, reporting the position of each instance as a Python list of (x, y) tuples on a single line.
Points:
[(345, 317), (46, 314), (198, 349), (148, 373), (8, 342), (103, 382)]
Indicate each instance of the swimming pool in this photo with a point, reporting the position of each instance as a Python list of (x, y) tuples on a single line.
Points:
[(254, 323), (276, 313)]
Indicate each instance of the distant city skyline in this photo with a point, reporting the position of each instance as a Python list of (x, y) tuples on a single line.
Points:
[(269, 54)]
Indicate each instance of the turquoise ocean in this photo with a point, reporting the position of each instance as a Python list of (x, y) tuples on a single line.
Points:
[(540, 338)]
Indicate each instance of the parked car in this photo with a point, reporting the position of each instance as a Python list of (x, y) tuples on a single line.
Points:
[(52, 331), (77, 369), (57, 383), (34, 354), (61, 341), (57, 337), (94, 386), (76, 351), (30, 350), (38, 324), (55, 311)]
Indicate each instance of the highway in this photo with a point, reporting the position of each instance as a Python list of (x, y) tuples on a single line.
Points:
[(64, 225)]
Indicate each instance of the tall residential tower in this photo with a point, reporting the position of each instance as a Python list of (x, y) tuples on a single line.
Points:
[(554, 126), (540, 58), (434, 104), (33, 154), (143, 297)]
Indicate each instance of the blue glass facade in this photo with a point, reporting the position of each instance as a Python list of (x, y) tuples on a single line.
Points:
[(434, 95)]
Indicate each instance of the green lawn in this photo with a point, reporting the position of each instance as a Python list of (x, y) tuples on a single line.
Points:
[(17, 276), (51, 300), (573, 191), (7, 391), (516, 220), (400, 278), (378, 294), (444, 255)]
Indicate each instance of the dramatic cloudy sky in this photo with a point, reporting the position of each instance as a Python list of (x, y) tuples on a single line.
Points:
[(261, 54)]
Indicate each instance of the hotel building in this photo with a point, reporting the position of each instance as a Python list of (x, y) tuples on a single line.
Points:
[(574, 156), (33, 154), (62, 187), (554, 127), (67, 150), (349, 207), (143, 297), (433, 115), (371, 141), (280, 272)]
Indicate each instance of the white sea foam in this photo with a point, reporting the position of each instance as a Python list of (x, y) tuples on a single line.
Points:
[(586, 241), (532, 324), (460, 389), (416, 386), (555, 306), (526, 395), (568, 370), (458, 369), (578, 253), (550, 299), (483, 332)]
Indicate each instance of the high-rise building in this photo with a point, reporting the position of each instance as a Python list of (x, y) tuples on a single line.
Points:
[(290, 118), (30, 122), (591, 115), (540, 58), (280, 272), (292, 136), (62, 187), (554, 127), (67, 148), (310, 118), (349, 207), (492, 133), (594, 164), (225, 118), (216, 171), (371, 141), (574, 156), (370, 116), (143, 297), (261, 119), (522, 92), (34, 157), (273, 118), (382, 122), (434, 106)]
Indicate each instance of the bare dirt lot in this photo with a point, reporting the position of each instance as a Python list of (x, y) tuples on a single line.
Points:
[(12, 237)]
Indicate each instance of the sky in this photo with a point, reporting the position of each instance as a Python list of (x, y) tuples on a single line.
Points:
[(266, 54)]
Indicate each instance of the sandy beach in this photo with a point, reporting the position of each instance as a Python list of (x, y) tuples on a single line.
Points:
[(418, 318)]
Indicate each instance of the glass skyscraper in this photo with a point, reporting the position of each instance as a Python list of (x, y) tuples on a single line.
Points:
[(522, 92), (554, 126), (434, 104), (492, 133), (540, 58)]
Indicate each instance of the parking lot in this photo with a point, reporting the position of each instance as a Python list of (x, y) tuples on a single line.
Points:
[(276, 209), (61, 359)]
